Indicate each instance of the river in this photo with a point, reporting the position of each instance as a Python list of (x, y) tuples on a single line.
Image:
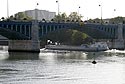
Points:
[(62, 67)]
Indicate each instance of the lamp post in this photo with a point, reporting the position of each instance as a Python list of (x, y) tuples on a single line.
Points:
[(58, 11), (7, 9), (36, 12), (101, 14), (114, 13), (78, 9), (79, 13), (58, 6), (35, 31)]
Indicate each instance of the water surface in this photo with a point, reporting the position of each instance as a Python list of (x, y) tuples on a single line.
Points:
[(61, 67)]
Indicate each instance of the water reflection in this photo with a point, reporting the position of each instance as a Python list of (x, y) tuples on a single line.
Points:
[(73, 55), (3, 55), (23, 56), (49, 55), (115, 52)]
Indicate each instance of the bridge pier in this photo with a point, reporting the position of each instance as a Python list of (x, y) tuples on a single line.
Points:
[(23, 46), (32, 45), (118, 43)]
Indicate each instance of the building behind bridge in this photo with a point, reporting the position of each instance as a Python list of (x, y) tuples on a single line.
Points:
[(42, 14)]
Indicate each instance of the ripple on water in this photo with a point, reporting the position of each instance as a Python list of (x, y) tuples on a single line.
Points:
[(64, 68)]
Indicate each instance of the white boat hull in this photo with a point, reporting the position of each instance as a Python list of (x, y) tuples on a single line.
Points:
[(75, 48)]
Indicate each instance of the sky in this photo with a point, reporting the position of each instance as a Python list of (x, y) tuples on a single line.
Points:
[(89, 9)]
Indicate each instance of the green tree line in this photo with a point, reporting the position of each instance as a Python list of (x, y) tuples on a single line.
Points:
[(67, 37), (72, 17), (20, 16)]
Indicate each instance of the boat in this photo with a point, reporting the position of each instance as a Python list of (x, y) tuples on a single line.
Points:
[(97, 46)]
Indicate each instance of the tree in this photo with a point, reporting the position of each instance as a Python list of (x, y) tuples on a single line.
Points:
[(60, 18), (78, 37), (64, 17), (22, 16), (11, 17), (68, 37), (74, 17), (115, 20), (90, 21)]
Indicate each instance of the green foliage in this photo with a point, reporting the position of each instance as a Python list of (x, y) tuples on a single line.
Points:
[(96, 20), (78, 37), (73, 17), (68, 37), (118, 19), (60, 18), (22, 16), (11, 17), (114, 20)]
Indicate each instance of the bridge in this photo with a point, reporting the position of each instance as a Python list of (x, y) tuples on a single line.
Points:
[(25, 36), (17, 30)]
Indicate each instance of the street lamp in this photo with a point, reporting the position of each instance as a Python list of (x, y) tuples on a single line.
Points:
[(58, 6), (114, 13), (58, 10), (78, 9), (35, 27), (79, 13), (101, 14), (36, 12), (7, 9)]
